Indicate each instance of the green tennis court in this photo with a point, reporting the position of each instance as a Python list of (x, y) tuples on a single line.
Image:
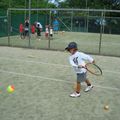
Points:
[(43, 81), (87, 42)]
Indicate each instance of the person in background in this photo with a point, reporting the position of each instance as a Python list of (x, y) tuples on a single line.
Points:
[(26, 27), (47, 31), (39, 29), (56, 25), (33, 29), (21, 30), (51, 32)]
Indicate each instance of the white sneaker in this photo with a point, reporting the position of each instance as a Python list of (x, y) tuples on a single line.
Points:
[(88, 88), (75, 95)]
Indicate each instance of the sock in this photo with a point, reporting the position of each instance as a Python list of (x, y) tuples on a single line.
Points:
[(77, 92), (89, 84)]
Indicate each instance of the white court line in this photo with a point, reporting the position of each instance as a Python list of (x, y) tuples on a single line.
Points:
[(36, 62), (54, 79), (57, 65)]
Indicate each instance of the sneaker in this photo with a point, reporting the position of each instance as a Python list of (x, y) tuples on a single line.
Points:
[(75, 95), (88, 88)]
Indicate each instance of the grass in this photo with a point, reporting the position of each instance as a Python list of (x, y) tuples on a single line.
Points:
[(44, 81), (87, 42)]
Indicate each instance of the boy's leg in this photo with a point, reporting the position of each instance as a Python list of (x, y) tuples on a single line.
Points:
[(87, 82), (77, 91), (78, 87), (89, 86)]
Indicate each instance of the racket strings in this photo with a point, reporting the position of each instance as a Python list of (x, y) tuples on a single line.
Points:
[(93, 69)]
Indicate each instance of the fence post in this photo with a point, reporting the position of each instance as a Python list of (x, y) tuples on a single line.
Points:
[(29, 20), (71, 20), (101, 31), (49, 34), (87, 19), (25, 10), (9, 25)]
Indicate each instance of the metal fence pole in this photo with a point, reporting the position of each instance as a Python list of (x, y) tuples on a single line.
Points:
[(49, 31), (71, 21), (87, 19), (29, 20), (104, 23), (9, 25), (101, 31), (37, 7), (25, 10)]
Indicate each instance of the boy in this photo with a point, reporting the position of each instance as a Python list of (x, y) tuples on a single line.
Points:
[(77, 60)]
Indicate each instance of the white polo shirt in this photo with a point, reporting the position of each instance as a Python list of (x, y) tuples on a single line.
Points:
[(78, 59)]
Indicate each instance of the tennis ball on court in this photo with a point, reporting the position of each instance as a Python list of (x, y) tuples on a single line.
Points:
[(10, 88), (106, 107)]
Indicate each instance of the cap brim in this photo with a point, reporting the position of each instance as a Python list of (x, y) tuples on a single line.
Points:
[(67, 48)]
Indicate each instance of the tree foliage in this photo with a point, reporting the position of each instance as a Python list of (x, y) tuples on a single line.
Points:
[(96, 4)]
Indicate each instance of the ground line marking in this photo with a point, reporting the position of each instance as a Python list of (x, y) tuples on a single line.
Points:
[(54, 79)]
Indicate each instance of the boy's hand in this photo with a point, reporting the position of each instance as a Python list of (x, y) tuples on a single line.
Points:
[(93, 62), (81, 66)]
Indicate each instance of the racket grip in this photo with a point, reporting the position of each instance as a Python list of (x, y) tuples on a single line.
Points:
[(81, 66), (93, 62)]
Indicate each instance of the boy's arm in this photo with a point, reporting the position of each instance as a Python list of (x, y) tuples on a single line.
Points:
[(87, 57)]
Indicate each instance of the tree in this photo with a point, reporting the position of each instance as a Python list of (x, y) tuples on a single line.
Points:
[(95, 4), (5, 4), (112, 4)]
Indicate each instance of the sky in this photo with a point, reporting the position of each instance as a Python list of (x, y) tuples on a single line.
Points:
[(53, 1), (59, 0)]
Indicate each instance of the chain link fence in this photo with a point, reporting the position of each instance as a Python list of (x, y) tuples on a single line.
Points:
[(95, 31)]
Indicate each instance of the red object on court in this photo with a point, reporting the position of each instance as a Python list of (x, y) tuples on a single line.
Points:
[(33, 29), (12, 87), (21, 28)]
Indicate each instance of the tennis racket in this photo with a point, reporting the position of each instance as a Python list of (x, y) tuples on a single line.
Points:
[(93, 69)]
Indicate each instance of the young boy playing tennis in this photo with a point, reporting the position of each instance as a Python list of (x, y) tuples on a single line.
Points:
[(77, 61)]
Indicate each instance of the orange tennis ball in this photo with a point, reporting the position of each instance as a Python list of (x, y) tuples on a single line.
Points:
[(10, 88)]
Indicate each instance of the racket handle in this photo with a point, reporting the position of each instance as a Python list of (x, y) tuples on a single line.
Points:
[(81, 66), (93, 62)]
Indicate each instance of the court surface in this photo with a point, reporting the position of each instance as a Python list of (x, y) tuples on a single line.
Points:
[(87, 42), (43, 81)]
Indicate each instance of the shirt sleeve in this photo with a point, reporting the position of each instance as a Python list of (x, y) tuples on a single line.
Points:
[(87, 57)]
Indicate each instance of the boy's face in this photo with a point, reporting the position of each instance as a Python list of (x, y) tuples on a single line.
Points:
[(72, 51)]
